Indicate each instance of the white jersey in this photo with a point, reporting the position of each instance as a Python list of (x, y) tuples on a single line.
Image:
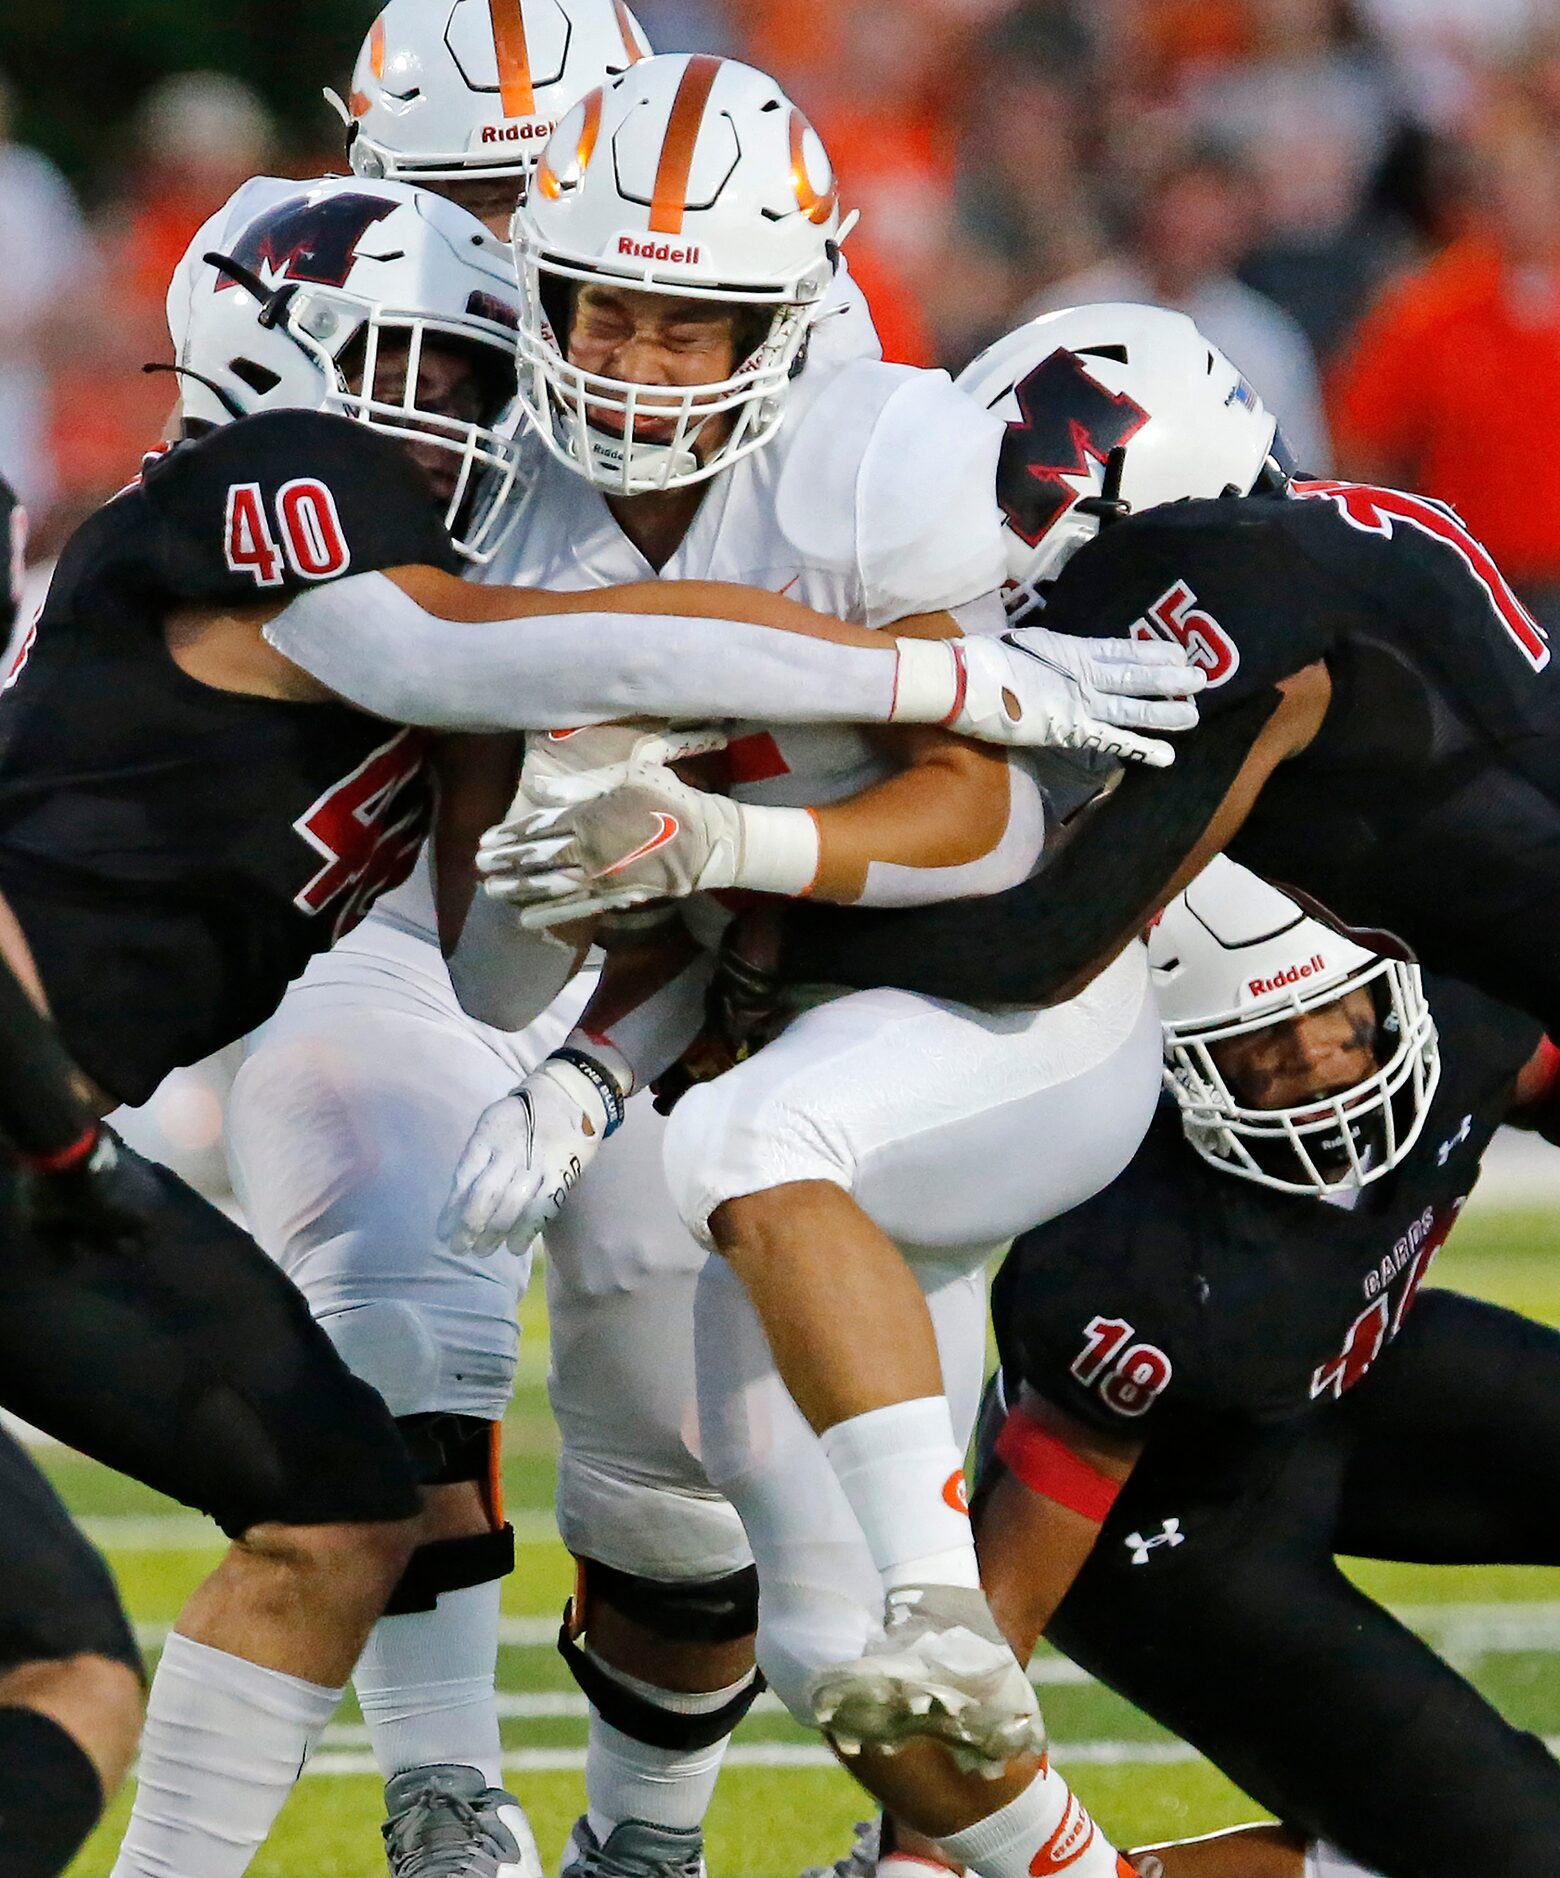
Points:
[(875, 501)]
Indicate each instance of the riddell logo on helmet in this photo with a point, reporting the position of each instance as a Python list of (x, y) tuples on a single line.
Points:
[(529, 132), (657, 250), (1259, 987)]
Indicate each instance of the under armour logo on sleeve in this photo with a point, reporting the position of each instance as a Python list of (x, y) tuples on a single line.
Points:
[(1170, 1533)]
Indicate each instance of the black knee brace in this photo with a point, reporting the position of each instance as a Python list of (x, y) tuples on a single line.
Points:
[(713, 1610), (705, 1610), (448, 1449)]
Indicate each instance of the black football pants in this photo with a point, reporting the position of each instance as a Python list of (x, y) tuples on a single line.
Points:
[(56, 1597), (194, 1366), (1248, 1642)]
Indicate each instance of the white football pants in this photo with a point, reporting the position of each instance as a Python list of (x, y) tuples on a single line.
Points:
[(954, 1130), (354, 1102)]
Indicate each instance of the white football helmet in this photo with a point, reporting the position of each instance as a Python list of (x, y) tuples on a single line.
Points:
[(1078, 385), (1231, 956), (689, 176), (327, 286), (451, 89)]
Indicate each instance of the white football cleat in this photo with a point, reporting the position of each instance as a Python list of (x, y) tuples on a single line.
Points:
[(941, 1670)]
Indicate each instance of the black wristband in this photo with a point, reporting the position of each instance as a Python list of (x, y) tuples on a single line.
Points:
[(604, 1085)]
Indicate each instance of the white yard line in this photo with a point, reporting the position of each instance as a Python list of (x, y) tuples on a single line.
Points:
[(193, 1532), (780, 1754)]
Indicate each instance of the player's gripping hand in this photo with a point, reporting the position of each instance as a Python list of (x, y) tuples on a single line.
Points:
[(1039, 688), (569, 765), (650, 837), (528, 1153), (89, 1202)]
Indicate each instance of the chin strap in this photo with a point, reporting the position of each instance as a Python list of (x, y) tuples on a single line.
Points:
[(229, 403)]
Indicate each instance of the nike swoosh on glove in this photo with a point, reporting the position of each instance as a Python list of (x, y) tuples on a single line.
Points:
[(525, 1158), (651, 838), (564, 765)]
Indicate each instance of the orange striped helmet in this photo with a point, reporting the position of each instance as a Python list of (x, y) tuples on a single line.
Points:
[(445, 90), (696, 178)]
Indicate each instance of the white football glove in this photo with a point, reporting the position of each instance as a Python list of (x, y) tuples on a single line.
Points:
[(652, 837), (564, 765), (1039, 688), (527, 1155)]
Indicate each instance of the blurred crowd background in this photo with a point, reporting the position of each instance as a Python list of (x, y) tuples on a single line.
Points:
[(1358, 199)]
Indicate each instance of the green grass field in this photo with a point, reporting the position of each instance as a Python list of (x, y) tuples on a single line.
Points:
[(781, 1806)]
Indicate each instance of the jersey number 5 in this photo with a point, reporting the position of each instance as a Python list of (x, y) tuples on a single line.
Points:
[(308, 529)]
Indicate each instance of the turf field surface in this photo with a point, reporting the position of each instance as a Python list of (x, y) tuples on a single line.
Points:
[(781, 1804)]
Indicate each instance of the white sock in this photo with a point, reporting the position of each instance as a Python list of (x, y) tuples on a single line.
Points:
[(629, 1779), (1045, 1829), (903, 1473), (425, 1684), (225, 1740), (1326, 1861)]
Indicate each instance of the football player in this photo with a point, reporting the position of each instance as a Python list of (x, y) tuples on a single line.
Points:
[(354, 1100), (1381, 715), (70, 1673), (188, 813), (667, 299), (1224, 1369)]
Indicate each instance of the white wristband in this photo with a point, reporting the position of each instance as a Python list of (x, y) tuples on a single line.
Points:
[(929, 687), (781, 850)]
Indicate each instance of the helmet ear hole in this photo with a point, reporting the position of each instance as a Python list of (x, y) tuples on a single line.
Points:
[(258, 377)]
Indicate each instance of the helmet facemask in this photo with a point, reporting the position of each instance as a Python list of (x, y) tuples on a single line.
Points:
[(379, 380), (1330, 1143), (594, 422)]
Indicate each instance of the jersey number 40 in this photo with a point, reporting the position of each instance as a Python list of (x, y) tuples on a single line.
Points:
[(308, 533)]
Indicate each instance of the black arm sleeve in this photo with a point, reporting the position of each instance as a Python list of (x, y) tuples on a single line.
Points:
[(41, 1108), (1025, 945)]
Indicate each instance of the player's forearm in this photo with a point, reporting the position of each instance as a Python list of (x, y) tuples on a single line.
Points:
[(380, 649), (46, 1110), (961, 823), (506, 975), (647, 1007), (589, 660)]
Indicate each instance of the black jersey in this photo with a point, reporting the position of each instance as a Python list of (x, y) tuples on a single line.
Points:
[(1428, 805), (1181, 1291), (176, 853)]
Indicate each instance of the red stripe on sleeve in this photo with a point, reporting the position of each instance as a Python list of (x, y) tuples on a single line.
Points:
[(1049, 1467)]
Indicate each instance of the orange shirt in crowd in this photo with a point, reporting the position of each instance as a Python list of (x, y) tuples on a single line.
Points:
[(1447, 386), (896, 312)]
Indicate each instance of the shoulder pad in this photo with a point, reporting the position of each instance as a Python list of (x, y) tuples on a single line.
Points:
[(929, 526), (844, 329), (829, 424), (283, 501)]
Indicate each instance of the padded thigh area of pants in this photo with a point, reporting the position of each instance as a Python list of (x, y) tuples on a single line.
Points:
[(56, 1596), (196, 1368)]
